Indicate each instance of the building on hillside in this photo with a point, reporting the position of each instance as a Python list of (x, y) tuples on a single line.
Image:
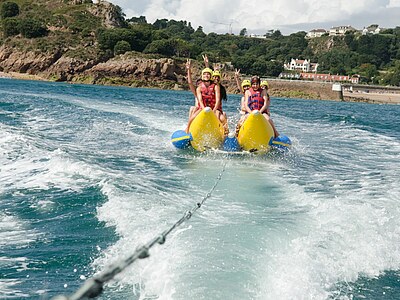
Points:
[(302, 65), (320, 77), (315, 33), (258, 36), (341, 30), (225, 66), (289, 75), (324, 77), (372, 29), (355, 78)]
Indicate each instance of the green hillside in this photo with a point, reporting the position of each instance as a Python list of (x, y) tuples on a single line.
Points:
[(98, 32)]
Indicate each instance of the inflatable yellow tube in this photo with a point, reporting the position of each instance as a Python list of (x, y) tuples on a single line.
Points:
[(206, 130), (256, 133)]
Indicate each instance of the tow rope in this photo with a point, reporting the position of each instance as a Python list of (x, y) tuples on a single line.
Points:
[(93, 287)]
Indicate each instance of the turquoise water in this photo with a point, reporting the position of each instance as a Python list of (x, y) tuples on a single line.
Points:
[(87, 174)]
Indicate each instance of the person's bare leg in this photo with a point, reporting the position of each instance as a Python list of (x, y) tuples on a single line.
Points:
[(240, 123), (276, 134), (192, 110), (191, 119), (223, 119)]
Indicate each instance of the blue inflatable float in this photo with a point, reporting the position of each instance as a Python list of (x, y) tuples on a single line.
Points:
[(181, 139)]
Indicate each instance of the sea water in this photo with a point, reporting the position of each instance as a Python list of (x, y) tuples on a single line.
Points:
[(88, 174)]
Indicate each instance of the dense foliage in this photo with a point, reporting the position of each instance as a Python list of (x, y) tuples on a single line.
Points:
[(371, 56), (9, 9), (65, 24)]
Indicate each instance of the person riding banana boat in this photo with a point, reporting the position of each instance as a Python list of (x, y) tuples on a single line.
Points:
[(208, 94), (207, 127), (256, 98)]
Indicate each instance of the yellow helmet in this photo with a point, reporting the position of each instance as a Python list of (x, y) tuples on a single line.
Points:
[(246, 82), (207, 70), (216, 73), (264, 83)]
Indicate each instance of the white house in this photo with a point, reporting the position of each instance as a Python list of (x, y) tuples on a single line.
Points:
[(341, 30), (302, 65), (258, 36), (355, 78), (315, 33), (372, 29)]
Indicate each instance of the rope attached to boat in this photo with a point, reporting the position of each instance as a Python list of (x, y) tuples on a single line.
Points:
[(93, 287)]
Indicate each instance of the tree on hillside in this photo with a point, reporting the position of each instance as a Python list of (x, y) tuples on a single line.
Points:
[(31, 28), (163, 47), (367, 71), (121, 47), (137, 20), (393, 76), (351, 41), (9, 10), (377, 46), (170, 47), (268, 33), (160, 24), (198, 34), (118, 16), (276, 34), (337, 61), (10, 27), (137, 39), (243, 32), (274, 68)]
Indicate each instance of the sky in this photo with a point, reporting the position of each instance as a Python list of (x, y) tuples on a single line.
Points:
[(260, 16)]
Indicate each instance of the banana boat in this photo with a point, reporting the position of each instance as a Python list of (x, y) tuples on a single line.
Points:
[(256, 134), (205, 132)]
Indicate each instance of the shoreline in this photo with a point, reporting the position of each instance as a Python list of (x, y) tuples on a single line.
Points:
[(370, 97), (21, 76), (377, 98)]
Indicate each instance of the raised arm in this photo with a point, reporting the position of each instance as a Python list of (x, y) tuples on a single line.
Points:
[(206, 62), (237, 78), (189, 77)]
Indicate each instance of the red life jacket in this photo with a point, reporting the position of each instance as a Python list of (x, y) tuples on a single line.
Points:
[(208, 95), (256, 100)]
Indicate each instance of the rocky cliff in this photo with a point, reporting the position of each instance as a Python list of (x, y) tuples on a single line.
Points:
[(137, 70)]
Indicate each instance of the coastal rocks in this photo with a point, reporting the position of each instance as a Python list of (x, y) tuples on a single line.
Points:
[(26, 62), (123, 69), (136, 68), (109, 13), (66, 68)]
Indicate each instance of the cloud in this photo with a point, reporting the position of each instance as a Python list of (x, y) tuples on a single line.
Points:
[(259, 16), (394, 3)]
